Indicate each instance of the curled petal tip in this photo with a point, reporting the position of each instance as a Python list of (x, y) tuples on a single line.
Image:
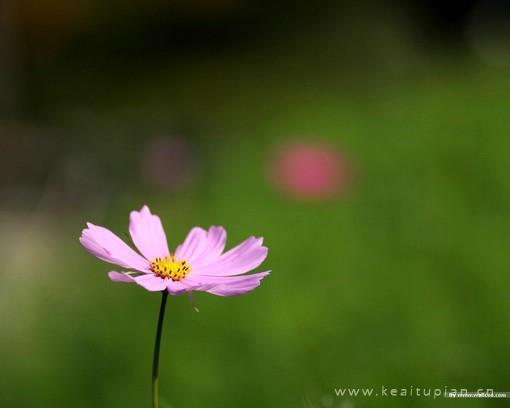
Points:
[(120, 277)]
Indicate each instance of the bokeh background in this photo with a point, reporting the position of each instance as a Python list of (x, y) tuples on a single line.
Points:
[(368, 142)]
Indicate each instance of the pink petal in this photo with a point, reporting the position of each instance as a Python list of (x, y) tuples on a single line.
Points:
[(151, 282), (216, 240), (193, 246), (241, 259), (239, 285), (148, 234), (105, 245), (120, 277), (182, 286), (202, 246), (210, 281)]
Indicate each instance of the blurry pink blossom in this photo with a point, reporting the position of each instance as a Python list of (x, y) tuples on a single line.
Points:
[(309, 170), (169, 163)]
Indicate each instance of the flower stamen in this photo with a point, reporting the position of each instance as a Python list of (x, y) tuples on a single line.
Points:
[(170, 268)]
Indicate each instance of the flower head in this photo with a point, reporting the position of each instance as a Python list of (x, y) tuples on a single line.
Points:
[(199, 263), (310, 171)]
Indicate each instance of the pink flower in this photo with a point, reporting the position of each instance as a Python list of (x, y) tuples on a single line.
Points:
[(310, 171), (199, 263)]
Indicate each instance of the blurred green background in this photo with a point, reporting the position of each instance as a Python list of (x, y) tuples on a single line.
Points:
[(401, 279)]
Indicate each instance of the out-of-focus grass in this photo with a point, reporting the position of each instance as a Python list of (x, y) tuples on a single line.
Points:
[(402, 283)]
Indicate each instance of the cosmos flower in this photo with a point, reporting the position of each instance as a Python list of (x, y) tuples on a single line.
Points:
[(310, 171), (198, 264)]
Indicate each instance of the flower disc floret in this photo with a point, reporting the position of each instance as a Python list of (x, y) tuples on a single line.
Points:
[(170, 268)]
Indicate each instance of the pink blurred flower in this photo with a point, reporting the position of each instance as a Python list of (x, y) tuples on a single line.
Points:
[(309, 171), (199, 263)]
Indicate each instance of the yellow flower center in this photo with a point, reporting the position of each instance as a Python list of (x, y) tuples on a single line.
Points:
[(170, 267)]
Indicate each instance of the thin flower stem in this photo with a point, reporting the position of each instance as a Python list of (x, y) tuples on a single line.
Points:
[(155, 361)]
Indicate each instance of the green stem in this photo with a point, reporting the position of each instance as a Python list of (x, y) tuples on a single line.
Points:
[(155, 361)]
